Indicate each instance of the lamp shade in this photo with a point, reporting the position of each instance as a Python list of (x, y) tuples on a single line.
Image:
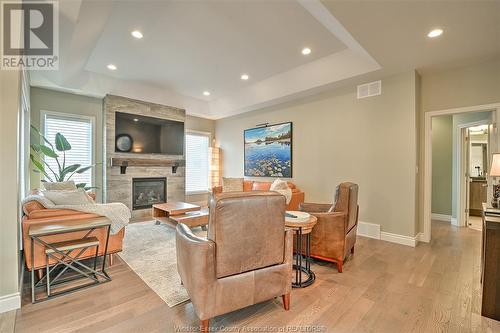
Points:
[(495, 165)]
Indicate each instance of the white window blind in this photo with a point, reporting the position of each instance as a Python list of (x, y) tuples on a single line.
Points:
[(197, 167), (79, 133)]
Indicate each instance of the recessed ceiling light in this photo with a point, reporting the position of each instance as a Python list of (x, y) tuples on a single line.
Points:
[(245, 77), (206, 93), (137, 34), (435, 33), (136, 120), (112, 67), (306, 51)]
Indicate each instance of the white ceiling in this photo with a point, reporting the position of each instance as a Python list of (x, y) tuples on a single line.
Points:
[(394, 32), (193, 46)]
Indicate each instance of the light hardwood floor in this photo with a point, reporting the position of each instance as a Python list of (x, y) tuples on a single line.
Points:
[(385, 287), (476, 222)]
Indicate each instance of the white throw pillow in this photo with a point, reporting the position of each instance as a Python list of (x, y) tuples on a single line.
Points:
[(69, 197), (279, 184), (58, 186), (281, 187), (232, 184)]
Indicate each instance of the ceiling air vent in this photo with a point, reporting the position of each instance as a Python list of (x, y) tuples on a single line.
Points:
[(370, 89)]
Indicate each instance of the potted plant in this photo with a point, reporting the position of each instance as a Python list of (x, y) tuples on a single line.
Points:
[(45, 149)]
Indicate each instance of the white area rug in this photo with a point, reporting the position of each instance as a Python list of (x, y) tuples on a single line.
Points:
[(149, 249)]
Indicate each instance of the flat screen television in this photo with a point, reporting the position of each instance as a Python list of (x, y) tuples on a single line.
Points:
[(148, 135)]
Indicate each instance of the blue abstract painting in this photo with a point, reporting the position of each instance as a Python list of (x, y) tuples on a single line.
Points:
[(268, 151)]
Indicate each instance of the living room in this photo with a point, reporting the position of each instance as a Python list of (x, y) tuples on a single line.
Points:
[(245, 127)]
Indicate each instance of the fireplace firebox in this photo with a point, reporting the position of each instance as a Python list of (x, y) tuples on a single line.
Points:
[(148, 191)]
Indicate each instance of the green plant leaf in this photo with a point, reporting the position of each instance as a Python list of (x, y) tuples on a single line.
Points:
[(69, 169), (39, 166), (82, 170), (84, 186), (61, 143), (44, 150), (35, 147), (37, 132)]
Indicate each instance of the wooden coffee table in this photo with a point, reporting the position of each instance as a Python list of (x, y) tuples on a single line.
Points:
[(180, 212)]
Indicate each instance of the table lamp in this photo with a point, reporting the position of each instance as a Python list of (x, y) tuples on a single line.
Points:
[(495, 172)]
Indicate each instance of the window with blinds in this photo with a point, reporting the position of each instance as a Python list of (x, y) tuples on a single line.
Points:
[(78, 130), (197, 166)]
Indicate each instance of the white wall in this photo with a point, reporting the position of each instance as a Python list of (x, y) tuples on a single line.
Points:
[(442, 164), (56, 101), (9, 205), (474, 84), (337, 138)]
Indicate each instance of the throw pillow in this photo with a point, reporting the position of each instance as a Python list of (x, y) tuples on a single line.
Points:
[(69, 197), (232, 184), (282, 187), (279, 184), (58, 186)]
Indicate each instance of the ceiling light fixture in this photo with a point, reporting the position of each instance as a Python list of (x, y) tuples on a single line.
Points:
[(306, 51), (136, 120), (206, 93), (112, 67), (137, 34), (245, 77), (435, 33)]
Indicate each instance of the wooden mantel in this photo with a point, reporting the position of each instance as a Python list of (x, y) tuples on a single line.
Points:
[(123, 163)]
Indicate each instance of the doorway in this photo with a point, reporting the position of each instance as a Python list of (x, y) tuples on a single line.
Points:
[(472, 114), (477, 143)]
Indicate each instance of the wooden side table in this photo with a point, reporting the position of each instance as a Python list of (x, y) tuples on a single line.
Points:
[(302, 261)]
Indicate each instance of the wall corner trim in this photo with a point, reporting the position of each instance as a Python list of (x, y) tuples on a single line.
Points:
[(10, 302), (422, 238)]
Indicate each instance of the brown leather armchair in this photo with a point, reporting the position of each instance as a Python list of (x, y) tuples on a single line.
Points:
[(334, 236), (246, 258)]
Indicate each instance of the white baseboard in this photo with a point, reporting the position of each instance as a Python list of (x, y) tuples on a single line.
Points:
[(441, 217), (421, 238), (370, 230), (10, 302), (454, 221), (399, 239)]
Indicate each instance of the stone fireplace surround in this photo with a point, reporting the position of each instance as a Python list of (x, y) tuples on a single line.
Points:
[(118, 187)]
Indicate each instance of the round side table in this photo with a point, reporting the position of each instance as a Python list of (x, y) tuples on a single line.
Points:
[(302, 258)]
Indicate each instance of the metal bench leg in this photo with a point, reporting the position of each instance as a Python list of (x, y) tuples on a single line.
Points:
[(103, 269), (95, 258), (32, 271), (48, 274)]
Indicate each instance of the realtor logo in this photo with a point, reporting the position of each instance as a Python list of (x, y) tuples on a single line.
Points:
[(30, 35)]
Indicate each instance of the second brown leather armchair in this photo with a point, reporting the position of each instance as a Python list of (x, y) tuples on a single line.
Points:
[(246, 259), (334, 236)]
